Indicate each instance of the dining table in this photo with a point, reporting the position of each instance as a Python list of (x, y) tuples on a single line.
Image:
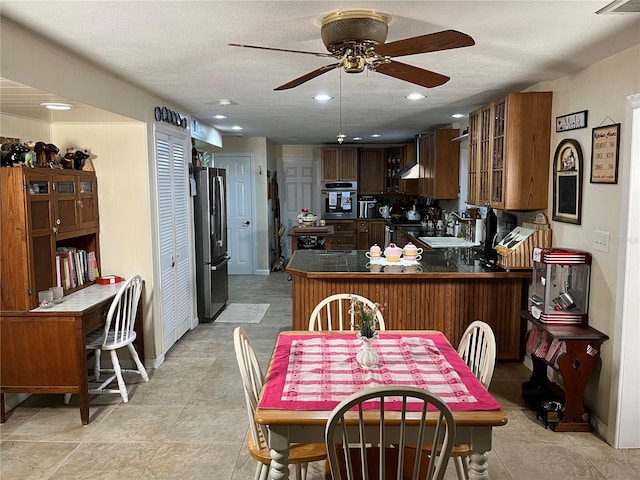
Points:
[(310, 373)]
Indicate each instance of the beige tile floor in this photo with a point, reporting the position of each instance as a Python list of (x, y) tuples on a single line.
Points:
[(189, 421)]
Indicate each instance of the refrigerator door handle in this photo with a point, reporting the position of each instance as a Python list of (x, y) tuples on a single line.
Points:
[(223, 207), (224, 261)]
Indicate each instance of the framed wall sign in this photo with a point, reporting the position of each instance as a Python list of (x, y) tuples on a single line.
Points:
[(605, 147), (567, 182), (571, 121)]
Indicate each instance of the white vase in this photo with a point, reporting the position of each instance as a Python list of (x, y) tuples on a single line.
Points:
[(366, 356)]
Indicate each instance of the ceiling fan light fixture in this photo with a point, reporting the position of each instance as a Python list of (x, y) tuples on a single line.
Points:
[(354, 26)]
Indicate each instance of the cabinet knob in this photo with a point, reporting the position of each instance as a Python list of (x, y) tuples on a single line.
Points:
[(80, 203), (58, 221)]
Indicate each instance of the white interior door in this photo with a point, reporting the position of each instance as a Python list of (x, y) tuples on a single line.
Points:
[(176, 300), (240, 211), (298, 193)]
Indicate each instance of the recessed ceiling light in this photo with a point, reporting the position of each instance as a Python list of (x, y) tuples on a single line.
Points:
[(375, 135), (323, 97), (415, 96), (357, 138), (237, 127), (224, 102), (57, 106), (220, 117), (458, 115)]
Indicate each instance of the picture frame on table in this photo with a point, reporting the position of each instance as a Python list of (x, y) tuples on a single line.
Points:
[(567, 182), (605, 153)]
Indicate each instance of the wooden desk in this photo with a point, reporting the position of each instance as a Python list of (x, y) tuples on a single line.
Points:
[(575, 367), (43, 350), (324, 232), (297, 425)]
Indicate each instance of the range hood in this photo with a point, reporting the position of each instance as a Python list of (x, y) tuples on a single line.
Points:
[(412, 171)]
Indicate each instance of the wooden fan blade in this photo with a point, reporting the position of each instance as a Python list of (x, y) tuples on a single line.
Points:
[(308, 76), (257, 47), (432, 42), (411, 74)]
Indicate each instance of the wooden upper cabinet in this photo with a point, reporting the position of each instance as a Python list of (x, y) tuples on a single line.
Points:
[(339, 164), (440, 164), (42, 209), (509, 152), (372, 171)]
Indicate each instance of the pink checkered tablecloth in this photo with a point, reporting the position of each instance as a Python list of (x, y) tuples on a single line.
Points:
[(316, 372)]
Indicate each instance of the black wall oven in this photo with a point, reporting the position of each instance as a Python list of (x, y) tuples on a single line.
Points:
[(339, 200)]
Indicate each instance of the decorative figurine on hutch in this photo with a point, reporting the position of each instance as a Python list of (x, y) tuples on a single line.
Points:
[(29, 157), (559, 293)]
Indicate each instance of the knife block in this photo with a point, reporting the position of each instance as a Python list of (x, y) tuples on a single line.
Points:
[(520, 257)]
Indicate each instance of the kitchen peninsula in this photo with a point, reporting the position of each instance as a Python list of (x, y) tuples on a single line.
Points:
[(444, 291)]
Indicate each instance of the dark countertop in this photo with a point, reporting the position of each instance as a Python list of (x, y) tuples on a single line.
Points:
[(443, 262)]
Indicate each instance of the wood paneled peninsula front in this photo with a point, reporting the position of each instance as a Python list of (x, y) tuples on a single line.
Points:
[(445, 291)]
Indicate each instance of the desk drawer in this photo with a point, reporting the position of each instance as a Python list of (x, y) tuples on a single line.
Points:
[(95, 319)]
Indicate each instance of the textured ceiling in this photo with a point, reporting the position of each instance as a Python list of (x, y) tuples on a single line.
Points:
[(179, 51)]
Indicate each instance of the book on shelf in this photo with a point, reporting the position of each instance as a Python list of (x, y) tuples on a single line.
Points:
[(75, 267)]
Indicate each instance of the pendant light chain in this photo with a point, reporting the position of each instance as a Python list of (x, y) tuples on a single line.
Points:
[(340, 135)]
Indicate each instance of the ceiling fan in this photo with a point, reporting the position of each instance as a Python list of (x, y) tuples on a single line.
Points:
[(356, 38)]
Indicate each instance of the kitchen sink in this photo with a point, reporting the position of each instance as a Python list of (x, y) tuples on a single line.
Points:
[(447, 242)]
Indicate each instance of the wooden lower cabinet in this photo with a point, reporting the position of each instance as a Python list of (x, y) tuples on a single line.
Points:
[(344, 237), (369, 233), (426, 303)]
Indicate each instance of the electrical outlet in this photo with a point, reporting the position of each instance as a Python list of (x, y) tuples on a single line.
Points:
[(601, 241)]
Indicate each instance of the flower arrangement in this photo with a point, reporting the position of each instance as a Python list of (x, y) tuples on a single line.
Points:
[(366, 318)]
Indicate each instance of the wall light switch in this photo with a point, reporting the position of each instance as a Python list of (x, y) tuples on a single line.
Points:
[(601, 241)]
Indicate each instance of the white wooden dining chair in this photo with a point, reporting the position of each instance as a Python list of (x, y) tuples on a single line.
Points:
[(335, 313), (118, 332), (355, 438), (477, 348), (252, 381)]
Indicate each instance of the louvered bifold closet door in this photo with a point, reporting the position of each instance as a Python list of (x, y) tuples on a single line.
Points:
[(173, 215)]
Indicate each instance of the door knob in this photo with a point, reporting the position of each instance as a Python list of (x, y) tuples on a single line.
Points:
[(247, 222)]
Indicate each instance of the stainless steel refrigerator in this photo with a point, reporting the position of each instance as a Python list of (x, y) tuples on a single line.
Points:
[(210, 212)]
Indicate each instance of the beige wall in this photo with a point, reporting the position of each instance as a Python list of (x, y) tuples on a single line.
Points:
[(119, 155), (601, 89)]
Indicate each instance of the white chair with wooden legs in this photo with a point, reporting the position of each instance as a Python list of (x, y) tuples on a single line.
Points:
[(252, 380), (478, 350), (334, 313), (118, 332), (348, 427)]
